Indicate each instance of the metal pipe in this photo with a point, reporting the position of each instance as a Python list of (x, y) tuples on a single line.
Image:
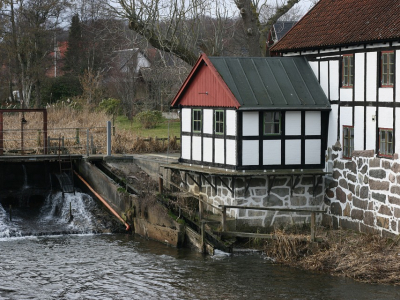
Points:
[(104, 201)]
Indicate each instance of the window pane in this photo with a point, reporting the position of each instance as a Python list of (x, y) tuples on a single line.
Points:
[(219, 122)]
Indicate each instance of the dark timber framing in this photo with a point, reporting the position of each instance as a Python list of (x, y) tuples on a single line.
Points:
[(261, 138), (361, 49)]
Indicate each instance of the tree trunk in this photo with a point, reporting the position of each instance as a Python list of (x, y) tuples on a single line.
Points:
[(251, 25)]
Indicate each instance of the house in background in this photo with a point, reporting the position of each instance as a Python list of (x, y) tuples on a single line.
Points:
[(253, 113), (277, 31), (56, 69), (353, 46)]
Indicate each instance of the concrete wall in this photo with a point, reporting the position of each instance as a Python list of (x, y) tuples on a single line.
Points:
[(364, 193), (148, 217)]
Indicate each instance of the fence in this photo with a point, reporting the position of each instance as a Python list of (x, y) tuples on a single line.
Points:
[(85, 141), (68, 140)]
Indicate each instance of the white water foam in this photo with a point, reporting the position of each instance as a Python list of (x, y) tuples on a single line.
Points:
[(56, 210), (7, 229), (53, 218)]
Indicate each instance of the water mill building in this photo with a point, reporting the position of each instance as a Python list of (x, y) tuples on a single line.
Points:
[(353, 47)]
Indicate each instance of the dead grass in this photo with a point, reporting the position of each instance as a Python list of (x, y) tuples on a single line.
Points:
[(365, 258), (72, 124)]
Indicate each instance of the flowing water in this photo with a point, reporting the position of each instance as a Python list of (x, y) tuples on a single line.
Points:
[(120, 266)]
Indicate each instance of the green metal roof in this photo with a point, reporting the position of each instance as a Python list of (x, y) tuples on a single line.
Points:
[(286, 83)]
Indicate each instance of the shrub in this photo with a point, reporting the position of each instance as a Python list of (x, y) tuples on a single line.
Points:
[(149, 118)]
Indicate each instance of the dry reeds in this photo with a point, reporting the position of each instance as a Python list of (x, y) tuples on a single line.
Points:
[(82, 130), (365, 258)]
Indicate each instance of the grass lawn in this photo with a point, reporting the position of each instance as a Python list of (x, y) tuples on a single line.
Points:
[(160, 131)]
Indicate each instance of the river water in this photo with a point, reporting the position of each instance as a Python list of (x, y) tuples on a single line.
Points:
[(121, 266)]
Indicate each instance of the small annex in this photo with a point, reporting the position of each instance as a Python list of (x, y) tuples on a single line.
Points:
[(258, 113)]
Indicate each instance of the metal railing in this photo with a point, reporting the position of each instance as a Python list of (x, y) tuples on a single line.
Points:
[(74, 140)]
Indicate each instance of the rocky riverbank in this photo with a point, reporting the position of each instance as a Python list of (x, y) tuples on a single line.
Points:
[(364, 257)]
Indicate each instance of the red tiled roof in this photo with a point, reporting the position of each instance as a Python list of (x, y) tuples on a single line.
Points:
[(344, 22)]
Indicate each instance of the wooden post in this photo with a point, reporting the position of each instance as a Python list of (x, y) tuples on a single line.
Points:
[(160, 185), (22, 135), (313, 227), (87, 142), (201, 208), (45, 131), (77, 136), (39, 138), (10, 212), (202, 233), (1, 134), (223, 221)]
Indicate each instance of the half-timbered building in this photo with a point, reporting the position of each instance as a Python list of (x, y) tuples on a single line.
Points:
[(353, 46), (253, 113)]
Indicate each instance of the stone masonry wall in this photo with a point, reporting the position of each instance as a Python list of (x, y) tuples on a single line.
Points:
[(257, 195), (364, 193)]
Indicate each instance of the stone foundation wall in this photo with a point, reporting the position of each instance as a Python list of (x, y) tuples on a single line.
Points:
[(364, 193), (257, 195)]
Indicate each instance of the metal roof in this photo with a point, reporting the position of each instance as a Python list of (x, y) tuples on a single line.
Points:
[(286, 83)]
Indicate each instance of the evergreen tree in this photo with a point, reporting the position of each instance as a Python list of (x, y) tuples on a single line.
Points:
[(75, 50)]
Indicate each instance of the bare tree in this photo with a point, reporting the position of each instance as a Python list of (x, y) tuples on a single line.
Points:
[(27, 37), (179, 26)]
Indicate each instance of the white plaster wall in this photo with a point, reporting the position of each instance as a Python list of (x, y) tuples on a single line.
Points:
[(377, 45), (250, 153), (328, 50), (324, 80), (272, 152), (186, 119), (359, 128), (196, 151), (397, 77), (208, 121), (293, 123), (372, 72), (185, 145), (250, 123), (314, 67), (346, 94), (346, 118), (332, 126), (370, 143), (385, 94), (313, 123), (230, 152), (385, 119), (312, 153), (219, 151), (397, 132), (334, 79), (293, 152), (351, 48), (207, 149), (359, 64), (231, 122)]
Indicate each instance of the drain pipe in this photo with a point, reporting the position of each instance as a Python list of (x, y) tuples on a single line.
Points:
[(104, 201)]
